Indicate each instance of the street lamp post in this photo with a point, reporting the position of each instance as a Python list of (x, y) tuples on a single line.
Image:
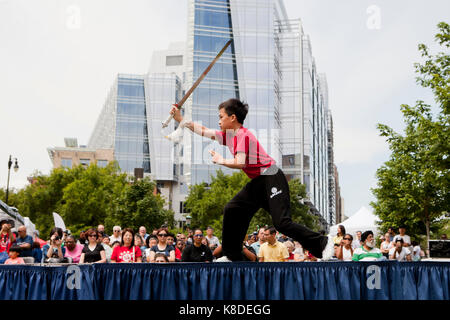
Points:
[(16, 167)]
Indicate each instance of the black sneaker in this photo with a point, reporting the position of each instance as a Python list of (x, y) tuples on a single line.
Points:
[(317, 252)]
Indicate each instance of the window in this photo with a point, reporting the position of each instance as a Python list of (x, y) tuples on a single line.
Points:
[(183, 207), (85, 162), (66, 162), (174, 60), (102, 163)]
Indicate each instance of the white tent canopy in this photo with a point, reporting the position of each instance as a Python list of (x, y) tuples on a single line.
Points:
[(363, 220)]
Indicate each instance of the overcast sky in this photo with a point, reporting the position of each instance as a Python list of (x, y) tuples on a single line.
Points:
[(59, 58)]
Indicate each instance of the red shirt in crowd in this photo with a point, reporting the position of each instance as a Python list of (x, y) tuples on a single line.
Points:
[(256, 159), (5, 242), (126, 254)]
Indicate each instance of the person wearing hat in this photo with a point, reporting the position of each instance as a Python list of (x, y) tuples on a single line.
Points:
[(368, 251)]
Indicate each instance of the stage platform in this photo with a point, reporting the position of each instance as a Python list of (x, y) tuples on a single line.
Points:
[(229, 281)]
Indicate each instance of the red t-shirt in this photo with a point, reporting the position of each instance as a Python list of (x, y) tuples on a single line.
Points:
[(177, 253), (5, 242), (125, 254), (256, 158)]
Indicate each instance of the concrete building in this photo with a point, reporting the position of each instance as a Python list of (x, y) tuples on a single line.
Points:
[(73, 155)]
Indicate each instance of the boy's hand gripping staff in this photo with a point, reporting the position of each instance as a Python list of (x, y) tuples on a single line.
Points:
[(195, 85)]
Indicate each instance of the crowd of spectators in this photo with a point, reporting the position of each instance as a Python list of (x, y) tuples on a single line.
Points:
[(162, 246)]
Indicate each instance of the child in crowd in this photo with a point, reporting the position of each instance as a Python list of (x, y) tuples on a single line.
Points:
[(14, 258)]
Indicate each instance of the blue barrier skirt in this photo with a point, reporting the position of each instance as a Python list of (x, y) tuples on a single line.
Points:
[(387, 280)]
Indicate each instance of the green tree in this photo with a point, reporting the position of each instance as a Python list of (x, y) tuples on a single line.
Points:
[(413, 185), (86, 197), (139, 206), (206, 203)]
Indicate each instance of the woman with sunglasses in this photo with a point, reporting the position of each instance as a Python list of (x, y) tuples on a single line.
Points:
[(345, 252), (162, 246), (197, 251), (93, 252)]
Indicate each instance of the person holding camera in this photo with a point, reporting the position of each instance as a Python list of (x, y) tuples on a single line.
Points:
[(54, 252)]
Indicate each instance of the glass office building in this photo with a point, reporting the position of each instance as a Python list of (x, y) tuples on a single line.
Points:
[(269, 65), (133, 112), (245, 71), (131, 145)]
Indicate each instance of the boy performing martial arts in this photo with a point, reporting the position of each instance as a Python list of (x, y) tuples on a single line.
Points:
[(267, 189)]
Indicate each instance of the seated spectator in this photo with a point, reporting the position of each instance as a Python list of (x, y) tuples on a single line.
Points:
[(340, 235), (54, 252), (117, 234), (406, 239), (367, 252), (115, 244), (101, 229), (416, 251), (309, 257), (127, 252), (108, 250), (399, 252), (143, 233), (386, 245), (336, 250), (290, 246), (248, 253), (213, 241), (299, 256), (197, 252), (171, 242), (252, 238), (272, 250), (25, 242), (161, 258), (139, 241), (7, 237), (14, 258), (357, 243), (36, 252), (256, 245), (151, 242), (162, 247), (73, 249), (36, 238), (345, 252), (206, 242), (82, 239), (190, 237), (179, 247), (93, 252), (402, 235), (182, 237)]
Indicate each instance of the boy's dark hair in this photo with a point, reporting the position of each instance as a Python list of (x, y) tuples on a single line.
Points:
[(236, 107), (272, 230), (15, 248)]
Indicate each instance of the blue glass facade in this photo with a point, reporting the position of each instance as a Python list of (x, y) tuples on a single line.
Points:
[(131, 147), (212, 29)]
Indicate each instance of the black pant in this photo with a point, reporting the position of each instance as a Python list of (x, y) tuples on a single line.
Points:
[(271, 192)]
